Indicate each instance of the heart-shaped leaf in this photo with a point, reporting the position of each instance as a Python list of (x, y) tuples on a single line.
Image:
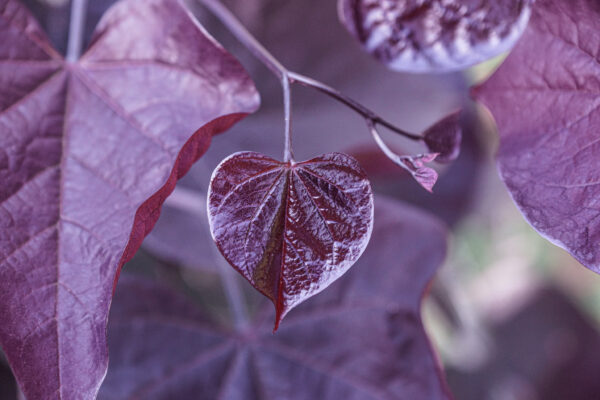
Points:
[(88, 153), (323, 49), (436, 35), (360, 339), (445, 138), (290, 229), (546, 104)]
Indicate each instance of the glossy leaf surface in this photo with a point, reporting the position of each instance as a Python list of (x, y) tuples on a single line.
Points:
[(435, 35), (290, 229), (546, 107), (322, 51), (362, 338), (88, 153)]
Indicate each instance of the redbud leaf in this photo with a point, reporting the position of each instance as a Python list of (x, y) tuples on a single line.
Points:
[(291, 229), (437, 35), (322, 50), (445, 137), (545, 100), (456, 186), (360, 339), (89, 150), (417, 166)]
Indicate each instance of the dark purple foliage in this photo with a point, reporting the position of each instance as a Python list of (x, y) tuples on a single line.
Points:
[(320, 124), (443, 140), (362, 338), (445, 137), (417, 167), (291, 229), (435, 35), (88, 153), (545, 101), (456, 186)]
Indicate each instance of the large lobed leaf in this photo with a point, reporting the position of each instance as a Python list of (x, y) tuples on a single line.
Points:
[(291, 229), (546, 107), (435, 35), (88, 153), (362, 338)]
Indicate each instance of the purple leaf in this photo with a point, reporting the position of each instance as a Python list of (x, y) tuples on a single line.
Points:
[(362, 338), (456, 187), (424, 175), (321, 51), (546, 107), (88, 153), (436, 35), (291, 229), (445, 137)]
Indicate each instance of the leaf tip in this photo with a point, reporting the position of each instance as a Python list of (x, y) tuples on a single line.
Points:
[(276, 327), (281, 311), (427, 178)]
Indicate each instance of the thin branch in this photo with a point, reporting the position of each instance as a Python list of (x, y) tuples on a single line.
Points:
[(415, 165), (384, 147), (260, 52), (76, 29), (195, 203), (286, 76), (353, 104), (245, 37)]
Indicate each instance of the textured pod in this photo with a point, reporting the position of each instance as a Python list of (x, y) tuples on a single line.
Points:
[(290, 229), (435, 35)]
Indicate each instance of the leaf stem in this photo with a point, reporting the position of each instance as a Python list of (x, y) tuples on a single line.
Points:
[(194, 202), (368, 114), (288, 155), (288, 77), (245, 37), (76, 29), (261, 53), (399, 160)]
